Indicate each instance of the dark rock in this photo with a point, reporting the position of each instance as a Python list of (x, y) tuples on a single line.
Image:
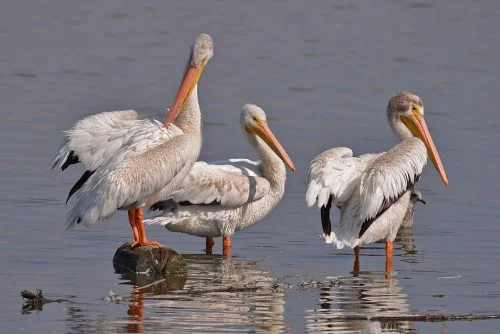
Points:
[(151, 264)]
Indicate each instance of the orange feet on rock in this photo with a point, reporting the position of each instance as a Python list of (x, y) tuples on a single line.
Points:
[(131, 220), (140, 239), (142, 243)]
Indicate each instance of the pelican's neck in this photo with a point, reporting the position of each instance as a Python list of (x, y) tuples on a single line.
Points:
[(399, 128), (273, 169), (189, 119)]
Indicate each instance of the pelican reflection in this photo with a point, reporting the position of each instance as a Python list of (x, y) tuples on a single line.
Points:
[(346, 306), (219, 294)]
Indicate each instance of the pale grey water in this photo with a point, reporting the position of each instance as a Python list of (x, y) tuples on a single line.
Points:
[(323, 71)]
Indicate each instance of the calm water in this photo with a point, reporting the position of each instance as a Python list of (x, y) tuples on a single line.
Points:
[(323, 71)]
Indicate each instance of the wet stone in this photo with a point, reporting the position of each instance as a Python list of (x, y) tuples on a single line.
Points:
[(144, 265)]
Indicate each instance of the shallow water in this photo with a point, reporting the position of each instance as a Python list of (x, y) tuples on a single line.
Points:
[(323, 72)]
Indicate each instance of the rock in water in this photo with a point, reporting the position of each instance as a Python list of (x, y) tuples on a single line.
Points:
[(144, 265)]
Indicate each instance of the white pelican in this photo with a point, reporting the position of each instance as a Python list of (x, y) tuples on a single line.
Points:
[(219, 198), (372, 191), (128, 159)]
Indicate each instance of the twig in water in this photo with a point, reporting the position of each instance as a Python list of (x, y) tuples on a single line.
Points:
[(35, 301)]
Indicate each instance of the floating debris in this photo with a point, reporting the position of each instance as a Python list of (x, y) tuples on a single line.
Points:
[(449, 277), (318, 284), (112, 297), (35, 301)]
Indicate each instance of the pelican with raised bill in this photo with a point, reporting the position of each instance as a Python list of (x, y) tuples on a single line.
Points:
[(219, 198), (128, 159), (373, 191)]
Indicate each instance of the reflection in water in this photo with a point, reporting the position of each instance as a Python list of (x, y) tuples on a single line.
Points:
[(222, 294), (345, 306), (406, 239), (219, 294), (146, 284), (405, 234)]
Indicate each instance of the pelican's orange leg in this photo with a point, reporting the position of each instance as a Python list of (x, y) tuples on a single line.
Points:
[(131, 220), (388, 259), (357, 249), (226, 246), (209, 245), (143, 240)]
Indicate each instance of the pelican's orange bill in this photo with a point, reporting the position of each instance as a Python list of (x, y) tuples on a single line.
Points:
[(264, 132), (189, 81), (418, 127)]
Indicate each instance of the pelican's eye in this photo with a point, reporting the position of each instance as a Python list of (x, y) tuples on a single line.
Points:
[(415, 110)]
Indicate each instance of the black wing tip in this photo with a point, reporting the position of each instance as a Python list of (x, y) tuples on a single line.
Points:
[(156, 207), (173, 205), (164, 206), (70, 160), (81, 181), (365, 226), (326, 223)]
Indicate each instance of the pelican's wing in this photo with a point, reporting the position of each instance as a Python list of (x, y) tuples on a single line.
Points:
[(389, 176), (97, 139), (233, 183), (335, 172), (238, 165), (124, 182)]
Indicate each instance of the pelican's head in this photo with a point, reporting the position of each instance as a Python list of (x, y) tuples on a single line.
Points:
[(416, 196), (405, 112), (254, 122), (201, 52)]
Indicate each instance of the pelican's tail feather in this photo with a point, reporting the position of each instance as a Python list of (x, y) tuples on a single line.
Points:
[(341, 237), (61, 158), (158, 220)]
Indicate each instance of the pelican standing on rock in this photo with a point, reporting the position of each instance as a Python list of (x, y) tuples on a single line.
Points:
[(128, 159), (372, 191), (219, 198)]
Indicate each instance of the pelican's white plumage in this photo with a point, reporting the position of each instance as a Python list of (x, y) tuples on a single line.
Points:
[(219, 198), (111, 135), (334, 172), (231, 182), (372, 191), (134, 175), (361, 187), (390, 174), (129, 159)]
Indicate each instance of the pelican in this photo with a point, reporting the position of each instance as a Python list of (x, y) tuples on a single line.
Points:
[(128, 159), (415, 196), (219, 198), (373, 191)]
